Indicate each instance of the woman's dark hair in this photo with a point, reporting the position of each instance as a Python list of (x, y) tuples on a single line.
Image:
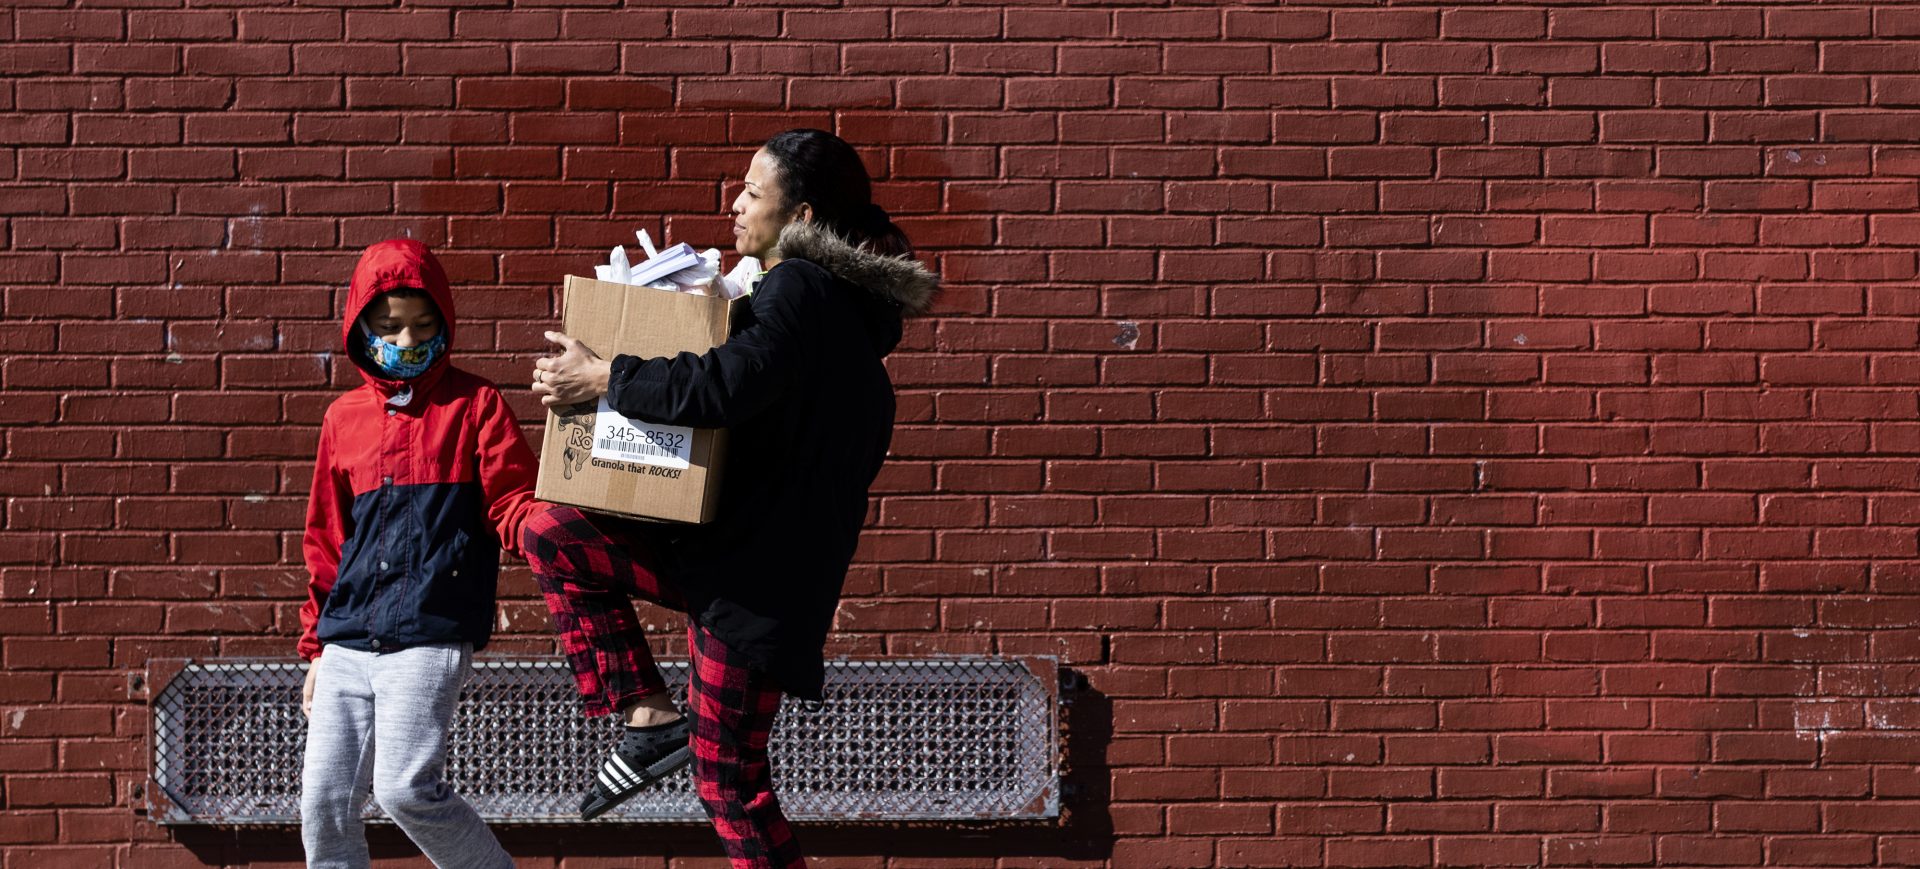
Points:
[(822, 170)]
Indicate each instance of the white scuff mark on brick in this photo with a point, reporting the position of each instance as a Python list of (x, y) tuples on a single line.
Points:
[(1819, 159), (1791, 155), (981, 571), (1129, 335), (249, 227), (255, 498), (175, 359), (1815, 721), (1520, 339), (18, 717)]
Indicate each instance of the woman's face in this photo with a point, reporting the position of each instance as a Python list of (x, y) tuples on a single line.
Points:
[(760, 211)]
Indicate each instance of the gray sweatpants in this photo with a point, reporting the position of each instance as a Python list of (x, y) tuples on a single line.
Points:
[(383, 719)]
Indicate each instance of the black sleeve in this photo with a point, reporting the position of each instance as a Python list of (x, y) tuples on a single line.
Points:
[(738, 379)]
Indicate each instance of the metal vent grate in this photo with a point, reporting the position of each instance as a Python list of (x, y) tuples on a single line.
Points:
[(933, 739)]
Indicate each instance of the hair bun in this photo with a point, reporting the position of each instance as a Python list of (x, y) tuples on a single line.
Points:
[(875, 217)]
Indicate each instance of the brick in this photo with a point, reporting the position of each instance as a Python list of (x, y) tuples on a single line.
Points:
[(61, 791), (420, 25), (1181, 852), (271, 26), (68, 25), (1329, 819)]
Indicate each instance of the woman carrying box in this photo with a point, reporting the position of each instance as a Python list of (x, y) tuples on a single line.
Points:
[(809, 410)]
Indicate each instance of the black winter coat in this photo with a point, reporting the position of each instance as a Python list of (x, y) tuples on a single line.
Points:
[(809, 411)]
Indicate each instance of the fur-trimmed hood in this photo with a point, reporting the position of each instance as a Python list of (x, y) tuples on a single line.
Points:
[(901, 280)]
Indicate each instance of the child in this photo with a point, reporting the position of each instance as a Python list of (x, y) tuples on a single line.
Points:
[(421, 474)]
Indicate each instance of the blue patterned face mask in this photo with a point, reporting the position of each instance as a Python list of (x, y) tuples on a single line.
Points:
[(404, 363)]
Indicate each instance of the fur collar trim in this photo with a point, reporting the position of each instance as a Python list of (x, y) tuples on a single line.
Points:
[(901, 279)]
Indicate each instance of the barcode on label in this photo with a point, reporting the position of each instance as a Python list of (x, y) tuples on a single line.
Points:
[(637, 448), (617, 438)]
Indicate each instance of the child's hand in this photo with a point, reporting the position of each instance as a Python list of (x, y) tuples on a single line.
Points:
[(306, 691), (574, 376)]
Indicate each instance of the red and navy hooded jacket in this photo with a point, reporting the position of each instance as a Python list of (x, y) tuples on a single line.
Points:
[(417, 485)]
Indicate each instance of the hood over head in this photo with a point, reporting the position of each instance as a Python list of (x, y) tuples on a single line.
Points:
[(896, 286), (391, 265)]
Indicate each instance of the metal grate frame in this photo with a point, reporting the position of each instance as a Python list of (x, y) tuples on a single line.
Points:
[(936, 739)]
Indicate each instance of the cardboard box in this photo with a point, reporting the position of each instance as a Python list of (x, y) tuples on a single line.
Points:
[(596, 459)]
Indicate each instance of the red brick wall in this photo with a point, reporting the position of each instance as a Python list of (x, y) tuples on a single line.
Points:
[(1474, 435)]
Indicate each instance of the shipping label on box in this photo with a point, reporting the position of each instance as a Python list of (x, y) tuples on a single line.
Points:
[(595, 458)]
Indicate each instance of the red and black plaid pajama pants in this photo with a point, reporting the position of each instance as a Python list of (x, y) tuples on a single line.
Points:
[(591, 568)]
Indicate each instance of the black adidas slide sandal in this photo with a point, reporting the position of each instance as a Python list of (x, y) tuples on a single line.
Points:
[(642, 758)]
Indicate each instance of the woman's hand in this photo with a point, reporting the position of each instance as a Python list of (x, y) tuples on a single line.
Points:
[(574, 376), (306, 691)]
